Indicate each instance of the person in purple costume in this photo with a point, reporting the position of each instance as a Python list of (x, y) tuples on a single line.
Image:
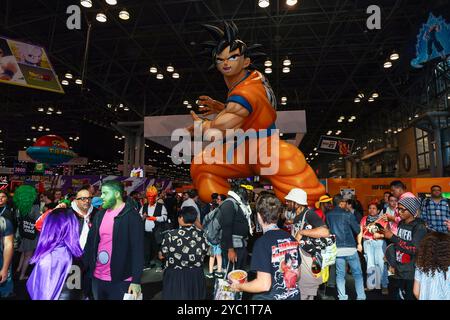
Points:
[(59, 243)]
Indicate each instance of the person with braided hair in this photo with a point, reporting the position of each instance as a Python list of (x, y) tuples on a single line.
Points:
[(250, 107)]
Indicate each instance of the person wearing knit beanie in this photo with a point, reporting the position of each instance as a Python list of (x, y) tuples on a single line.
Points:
[(411, 204)]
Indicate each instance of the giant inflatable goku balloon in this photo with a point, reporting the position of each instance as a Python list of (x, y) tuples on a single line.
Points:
[(251, 104)]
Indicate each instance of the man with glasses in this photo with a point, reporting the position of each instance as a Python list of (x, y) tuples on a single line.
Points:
[(436, 210)]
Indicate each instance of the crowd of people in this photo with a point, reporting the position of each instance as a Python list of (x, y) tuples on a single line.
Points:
[(96, 244)]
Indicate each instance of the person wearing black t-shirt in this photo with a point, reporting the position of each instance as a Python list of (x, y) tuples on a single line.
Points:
[(276, 257)]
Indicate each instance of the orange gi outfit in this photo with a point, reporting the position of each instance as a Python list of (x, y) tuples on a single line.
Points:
[(254, 94)]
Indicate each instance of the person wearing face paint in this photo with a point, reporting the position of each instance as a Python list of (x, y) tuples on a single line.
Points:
[(153, 213), (251, 104), (114, 250), (401, 254)]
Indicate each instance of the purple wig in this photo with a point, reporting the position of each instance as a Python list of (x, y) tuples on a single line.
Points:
[(61, 228)]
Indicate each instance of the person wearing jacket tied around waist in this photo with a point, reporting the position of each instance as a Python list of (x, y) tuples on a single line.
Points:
[(114, 249)]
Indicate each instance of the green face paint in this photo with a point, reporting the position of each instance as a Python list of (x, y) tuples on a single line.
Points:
[(109, 198)]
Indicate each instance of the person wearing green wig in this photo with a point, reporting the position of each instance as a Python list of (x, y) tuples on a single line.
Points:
[(27, 211)]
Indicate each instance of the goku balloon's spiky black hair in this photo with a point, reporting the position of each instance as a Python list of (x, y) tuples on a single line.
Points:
[(228, 36)]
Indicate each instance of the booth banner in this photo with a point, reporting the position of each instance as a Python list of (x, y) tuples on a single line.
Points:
[(433, 41), (72, 183), (335, 145), (27, 65), (368, 190)]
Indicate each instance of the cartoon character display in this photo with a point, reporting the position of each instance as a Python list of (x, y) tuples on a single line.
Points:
[(250, 104), (290, 274), (433, 41), (31, 55)]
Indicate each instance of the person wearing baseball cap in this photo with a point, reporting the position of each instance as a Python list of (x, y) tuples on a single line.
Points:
[(324, 205), (401, 254), (306, 224)]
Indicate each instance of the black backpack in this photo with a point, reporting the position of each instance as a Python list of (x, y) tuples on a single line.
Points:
[(26, 227), (211, 223)]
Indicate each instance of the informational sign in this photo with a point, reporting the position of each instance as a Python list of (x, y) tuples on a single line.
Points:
[(39, 168), (4, 183), (335, 145), (433, 41), (27, 65)]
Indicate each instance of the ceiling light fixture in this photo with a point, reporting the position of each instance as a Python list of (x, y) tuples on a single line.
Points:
[(394, 56), (86, 3), (170, 68), (59, 112), (79, 81), (268, 70), (111, 2), (357, 100), (375, 95), (371, 99), (291, 2), (65, 83), (153, 70), (101, 17), (41, 109), (283, 99), (124, 15), (387, 64), (185, 102), (361, 95), (286, 62), (159, 76), (176, 75), (263, 3), (340, 120), (268, 63), (286, 70)]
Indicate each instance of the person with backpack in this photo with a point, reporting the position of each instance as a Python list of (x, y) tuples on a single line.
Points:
[(215, 252), (308, 229), (230, 224), (27, 212), (6, 255), (436, 210), (154, 214)]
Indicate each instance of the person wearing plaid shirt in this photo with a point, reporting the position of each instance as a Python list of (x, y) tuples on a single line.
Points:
[(436, 211)]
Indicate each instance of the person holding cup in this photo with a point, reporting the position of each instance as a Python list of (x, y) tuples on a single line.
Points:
[(276, 257)]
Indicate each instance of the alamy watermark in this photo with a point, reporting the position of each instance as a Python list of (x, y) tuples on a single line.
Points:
[(374, 20), (73, 22), (236, 147)]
